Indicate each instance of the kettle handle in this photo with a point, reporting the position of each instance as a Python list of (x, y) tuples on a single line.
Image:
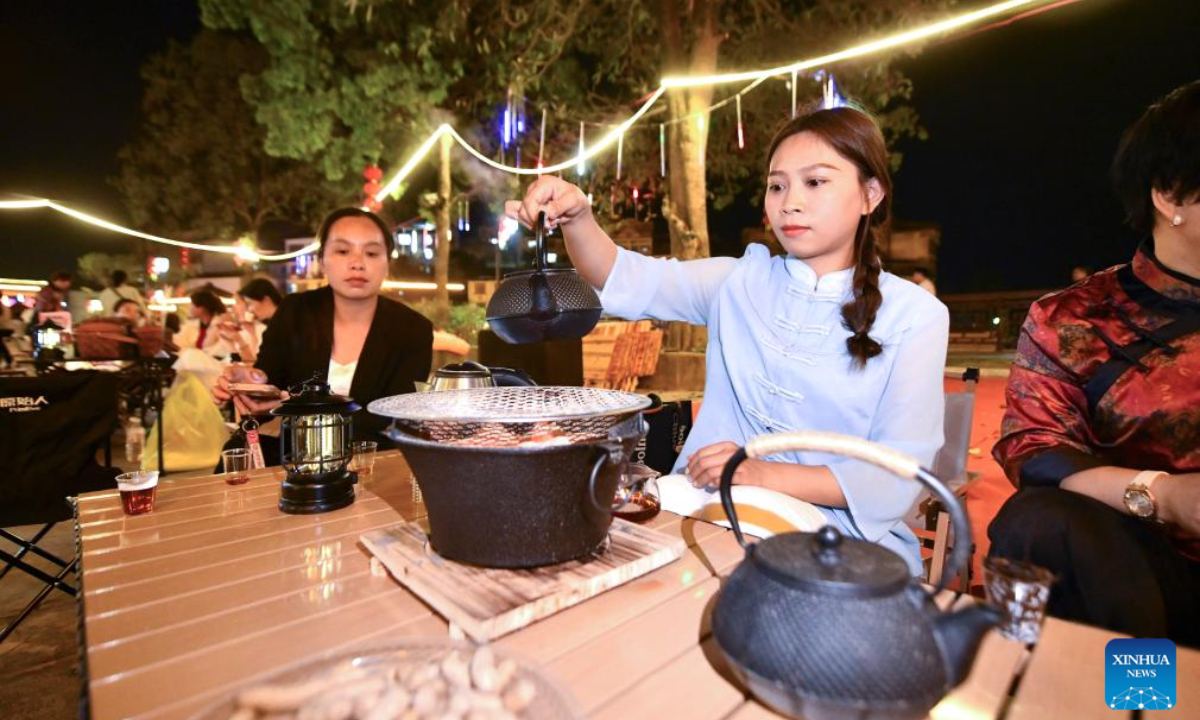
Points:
[(511, 377), (894, 461), (539, 239)]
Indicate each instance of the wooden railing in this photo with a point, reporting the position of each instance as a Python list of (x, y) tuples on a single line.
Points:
[(988, 322)]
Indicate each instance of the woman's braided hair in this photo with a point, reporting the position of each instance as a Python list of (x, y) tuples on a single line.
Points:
[(854, 135)]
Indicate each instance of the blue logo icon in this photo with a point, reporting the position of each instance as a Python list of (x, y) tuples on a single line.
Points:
[(1139, 674)]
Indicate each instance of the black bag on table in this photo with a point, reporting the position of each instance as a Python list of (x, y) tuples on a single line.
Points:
[(669, 424)]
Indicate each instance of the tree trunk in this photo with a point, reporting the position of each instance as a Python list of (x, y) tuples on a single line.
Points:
[(441, 262), (688, 142)]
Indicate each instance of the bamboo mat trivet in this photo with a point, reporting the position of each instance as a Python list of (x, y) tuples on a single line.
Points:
[(486, 603)]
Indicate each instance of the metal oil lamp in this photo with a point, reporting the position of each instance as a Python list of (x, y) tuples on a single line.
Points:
[(315, 441)]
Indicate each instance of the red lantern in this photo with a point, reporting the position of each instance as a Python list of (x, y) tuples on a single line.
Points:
[(373, 205), (372, 172), (372, 187)]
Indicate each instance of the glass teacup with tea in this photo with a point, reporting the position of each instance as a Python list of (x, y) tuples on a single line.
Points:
[(637, 498)]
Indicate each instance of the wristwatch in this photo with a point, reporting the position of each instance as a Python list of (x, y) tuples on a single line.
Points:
[(1139, 495)]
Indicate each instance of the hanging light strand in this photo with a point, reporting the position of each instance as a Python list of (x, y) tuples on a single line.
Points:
[(741, 136), (620, 152), (868, 48), (581, 168), (1030, 7), (662, 149), (542, 143), (237, 249)]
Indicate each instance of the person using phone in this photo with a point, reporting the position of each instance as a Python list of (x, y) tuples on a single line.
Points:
[(364, 345), (202, 330), (253, 307)]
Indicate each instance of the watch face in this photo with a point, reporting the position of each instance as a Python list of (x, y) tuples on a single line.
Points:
[(1139, 503)]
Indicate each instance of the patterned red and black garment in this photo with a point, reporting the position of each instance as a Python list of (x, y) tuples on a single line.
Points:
[(1107, 372)]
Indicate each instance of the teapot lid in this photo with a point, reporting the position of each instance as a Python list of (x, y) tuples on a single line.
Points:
[(463, 370), (827, 562)]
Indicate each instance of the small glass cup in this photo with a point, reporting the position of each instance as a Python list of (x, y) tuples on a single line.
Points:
[(237, 466), (363, 459), (637, 498), (137, 490), (1022, 591)]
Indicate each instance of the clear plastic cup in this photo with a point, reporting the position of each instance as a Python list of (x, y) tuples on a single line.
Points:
[(237, 466), (363, 459), (138, 490)]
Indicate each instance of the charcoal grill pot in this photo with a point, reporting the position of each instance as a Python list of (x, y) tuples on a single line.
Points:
[(516, 506), (828, 627)]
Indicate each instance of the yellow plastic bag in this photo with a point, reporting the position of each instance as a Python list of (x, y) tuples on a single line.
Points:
[(193, 430)]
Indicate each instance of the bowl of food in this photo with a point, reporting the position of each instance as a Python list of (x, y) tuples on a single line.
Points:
[(418, 678)]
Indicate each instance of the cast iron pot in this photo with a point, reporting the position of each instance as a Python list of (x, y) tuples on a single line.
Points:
[(828, 627), (521, 506)]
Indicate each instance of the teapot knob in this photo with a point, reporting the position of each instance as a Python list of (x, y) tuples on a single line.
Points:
[(829, 540)]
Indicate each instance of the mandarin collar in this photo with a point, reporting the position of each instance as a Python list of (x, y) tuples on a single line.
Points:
[(806, 277), (1161, 279)]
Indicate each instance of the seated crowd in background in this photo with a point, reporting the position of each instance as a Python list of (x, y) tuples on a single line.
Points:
[(200, 330), (120, 290), (253, 307)]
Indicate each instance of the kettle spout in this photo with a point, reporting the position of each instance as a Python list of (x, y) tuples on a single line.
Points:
[(958, 636)]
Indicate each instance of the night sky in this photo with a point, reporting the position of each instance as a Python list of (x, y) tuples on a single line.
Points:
[(1023, 121), (71, 92)]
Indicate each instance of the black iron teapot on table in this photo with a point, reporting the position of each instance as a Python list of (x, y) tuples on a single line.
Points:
[(828, 627)]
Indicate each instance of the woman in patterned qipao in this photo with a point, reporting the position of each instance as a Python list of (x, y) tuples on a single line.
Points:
[(1102, 431)]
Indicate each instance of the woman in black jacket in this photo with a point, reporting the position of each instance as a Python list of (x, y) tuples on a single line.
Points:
[(365, 345)]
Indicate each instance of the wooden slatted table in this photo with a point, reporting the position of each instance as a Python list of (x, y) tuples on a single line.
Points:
[(216, 588)]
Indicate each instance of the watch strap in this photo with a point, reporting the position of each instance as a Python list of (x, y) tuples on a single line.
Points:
[(1147, 478)]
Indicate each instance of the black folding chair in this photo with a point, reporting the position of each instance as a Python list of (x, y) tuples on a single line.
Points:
[(51, 428)]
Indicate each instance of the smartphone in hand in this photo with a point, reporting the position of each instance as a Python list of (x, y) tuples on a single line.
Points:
[(255, 390)]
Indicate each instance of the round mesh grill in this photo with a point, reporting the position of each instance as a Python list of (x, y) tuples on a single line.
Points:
[(510, 416)]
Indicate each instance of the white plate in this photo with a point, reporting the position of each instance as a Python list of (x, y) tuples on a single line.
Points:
[(761, 512)]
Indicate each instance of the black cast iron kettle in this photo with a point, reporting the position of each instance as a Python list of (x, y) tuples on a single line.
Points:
[(543, 304), (828, 627)]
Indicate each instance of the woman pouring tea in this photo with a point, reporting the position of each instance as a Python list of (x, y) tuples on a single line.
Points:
[(818, 339)]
